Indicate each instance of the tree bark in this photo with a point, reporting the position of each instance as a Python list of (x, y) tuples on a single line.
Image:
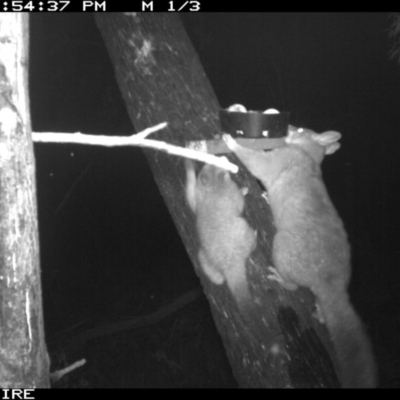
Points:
[(23, 357), (274, 343)]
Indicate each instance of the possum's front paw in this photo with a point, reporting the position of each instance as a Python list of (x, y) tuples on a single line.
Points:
[(212, 272), (318, 314), (275, 276), (230, 142)]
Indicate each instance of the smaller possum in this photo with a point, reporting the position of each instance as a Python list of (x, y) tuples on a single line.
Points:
[(226, 239), (310, 247)]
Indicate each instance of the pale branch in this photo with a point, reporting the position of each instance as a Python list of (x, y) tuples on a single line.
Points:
[(135, 322), (138, 139), (56, 375)]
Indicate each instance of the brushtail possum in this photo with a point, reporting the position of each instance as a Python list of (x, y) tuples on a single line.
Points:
[(226, 239), (310, 247)]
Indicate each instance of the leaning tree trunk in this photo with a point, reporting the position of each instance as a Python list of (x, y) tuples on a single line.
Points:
[(276, 343), (23, 357)]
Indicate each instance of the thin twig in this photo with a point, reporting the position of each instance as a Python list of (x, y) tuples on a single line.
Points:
[(56, 375), (71, 189)]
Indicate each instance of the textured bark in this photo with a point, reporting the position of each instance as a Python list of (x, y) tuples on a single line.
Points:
[(23, 357), (274, 343)]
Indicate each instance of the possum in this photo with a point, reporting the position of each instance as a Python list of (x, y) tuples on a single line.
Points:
[(310, 247), (226, 239)]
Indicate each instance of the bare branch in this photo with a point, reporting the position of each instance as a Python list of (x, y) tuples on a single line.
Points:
[(138, 139), (56, 375)]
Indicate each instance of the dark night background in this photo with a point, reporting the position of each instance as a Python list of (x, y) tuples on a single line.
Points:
[(109, 249)]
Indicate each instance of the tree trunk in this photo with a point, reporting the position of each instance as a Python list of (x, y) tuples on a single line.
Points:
[(23, 357), (274, 343)]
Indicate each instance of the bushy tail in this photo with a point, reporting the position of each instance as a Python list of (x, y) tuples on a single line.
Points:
[(353, 349)]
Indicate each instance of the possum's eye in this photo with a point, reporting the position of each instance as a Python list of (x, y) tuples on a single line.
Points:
[(294, 134), (208, 175)]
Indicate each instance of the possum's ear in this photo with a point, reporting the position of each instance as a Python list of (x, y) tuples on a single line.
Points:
[(332, 148), (329, 140)]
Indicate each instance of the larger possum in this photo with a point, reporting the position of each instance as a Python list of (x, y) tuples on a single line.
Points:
[(310, 247)]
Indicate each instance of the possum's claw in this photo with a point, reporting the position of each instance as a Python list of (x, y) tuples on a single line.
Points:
[(275, 276)]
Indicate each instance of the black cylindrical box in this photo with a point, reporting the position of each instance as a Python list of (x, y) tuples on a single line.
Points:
[(254, 124)]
